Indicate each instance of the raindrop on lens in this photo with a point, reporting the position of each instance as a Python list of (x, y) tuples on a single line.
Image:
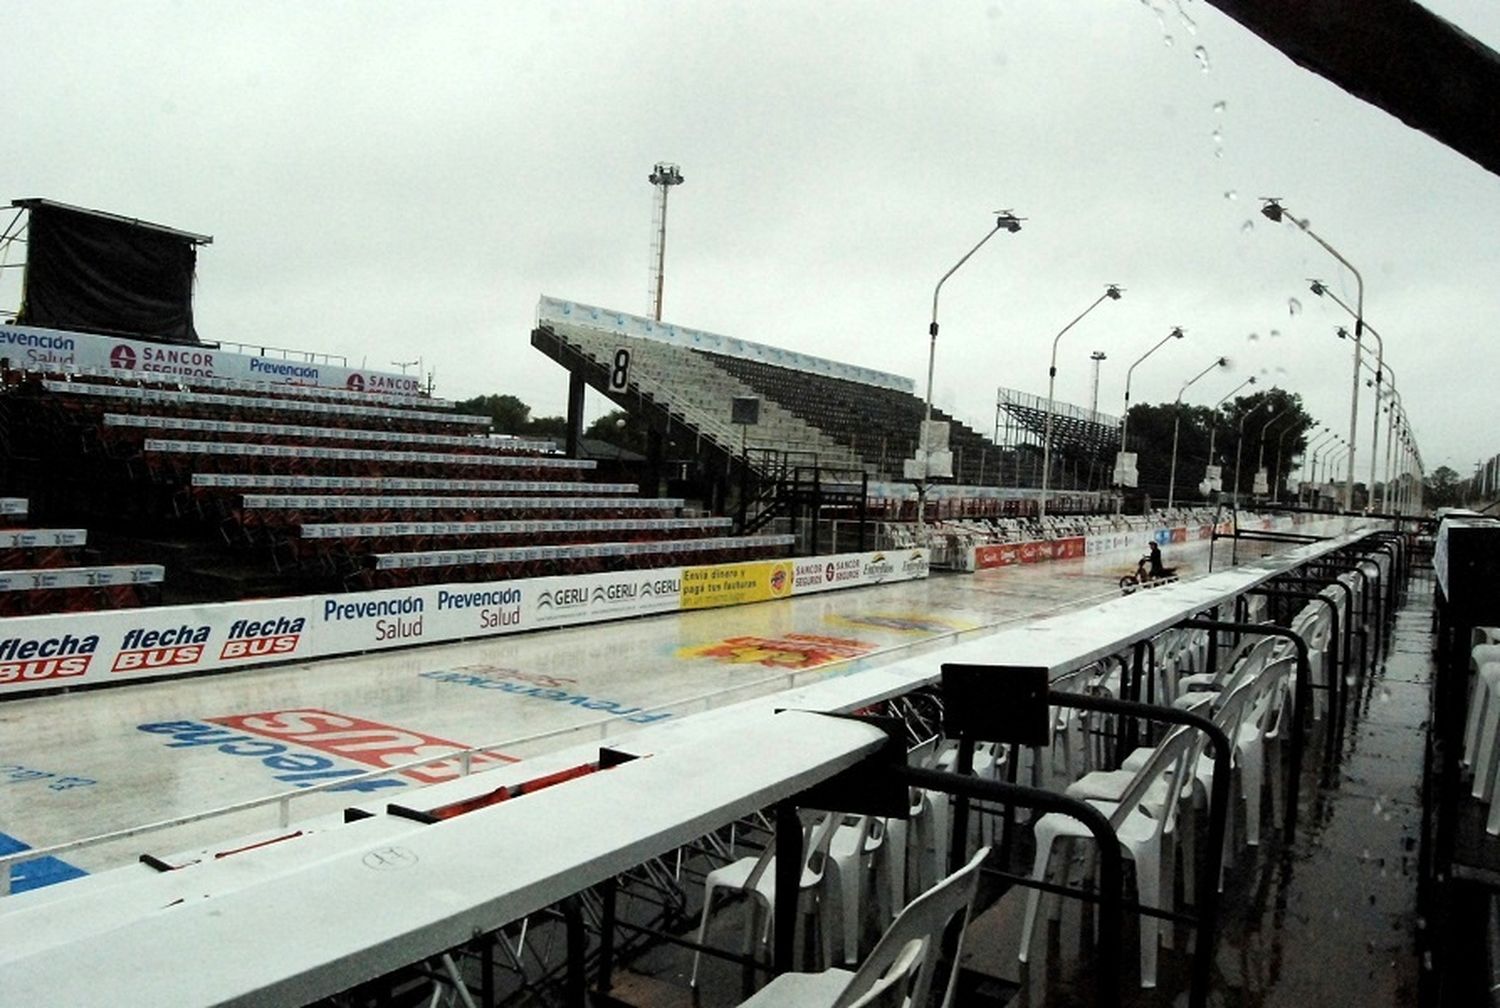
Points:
[(1202, 55), (1219, 107), (1168, 41), (1275, 333), (1293, 306), (1255, 335), (1231, 195), (1249, 225)]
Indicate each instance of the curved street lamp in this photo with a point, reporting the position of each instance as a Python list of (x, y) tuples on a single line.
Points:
[(1276, 479), (1273, 210), (1260, 463), (1310, 453), (1239, 447), (1004, 221), (1213, 420), (1219, 362), (1111, 292), (1319, 288)]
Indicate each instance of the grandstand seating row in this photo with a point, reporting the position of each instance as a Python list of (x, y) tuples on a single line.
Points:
[(43, 570), (244, 404), (848, 424), (203, 456)]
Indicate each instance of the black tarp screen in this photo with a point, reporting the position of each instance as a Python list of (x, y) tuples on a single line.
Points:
[(94, 274)]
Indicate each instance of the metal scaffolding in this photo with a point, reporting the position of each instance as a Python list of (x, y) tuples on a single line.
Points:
[(1083, 441)]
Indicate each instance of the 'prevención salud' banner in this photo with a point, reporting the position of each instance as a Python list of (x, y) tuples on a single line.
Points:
[(76, 649)]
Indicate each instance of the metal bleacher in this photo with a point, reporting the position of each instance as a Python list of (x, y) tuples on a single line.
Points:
[(164, 461)]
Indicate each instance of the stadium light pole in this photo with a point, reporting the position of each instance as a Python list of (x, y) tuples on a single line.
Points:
[(1004, 221), (1273, 210), (1239, 447), (1319, 288), (1213, 420), (1260, 462), (1311, 453), (1393, 410), (1219, 362), (1112, 292), (1380, 368), (1176, 333), (1276, 479)]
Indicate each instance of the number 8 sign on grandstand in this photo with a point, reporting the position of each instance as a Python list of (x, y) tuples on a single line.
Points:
[(619, 371)]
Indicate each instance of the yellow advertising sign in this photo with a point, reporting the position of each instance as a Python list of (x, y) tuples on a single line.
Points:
[(733, 584)]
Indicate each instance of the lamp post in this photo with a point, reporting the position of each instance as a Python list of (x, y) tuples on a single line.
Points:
[(1321, 290), (1176, 333), (1004, 221), (1276, 479), (1393, 410), (1239, 447), (1340, 451), (1260, 462), (1111, 292), (1219, 362), (1379, 369), (1273, 210), (1311, 454), (1213, 420)]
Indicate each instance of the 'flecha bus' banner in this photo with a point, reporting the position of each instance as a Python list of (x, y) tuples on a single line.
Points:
[(71, 649), (57, 350)]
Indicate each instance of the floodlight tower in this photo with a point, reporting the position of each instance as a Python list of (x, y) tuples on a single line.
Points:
[(664, 176)]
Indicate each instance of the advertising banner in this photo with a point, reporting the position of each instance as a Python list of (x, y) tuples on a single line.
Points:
[(69, 649), (733, 584), (58, 350), (994, 555), (73, 649)]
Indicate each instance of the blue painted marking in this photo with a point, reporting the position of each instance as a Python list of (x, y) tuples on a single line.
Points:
[(35, 874)]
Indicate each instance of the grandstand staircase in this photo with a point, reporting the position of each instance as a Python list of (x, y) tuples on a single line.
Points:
[(798, 493)]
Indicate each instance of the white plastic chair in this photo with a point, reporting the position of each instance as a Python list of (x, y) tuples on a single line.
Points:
[(851, 856), (1140, 833), (899, 971), (756, 878)]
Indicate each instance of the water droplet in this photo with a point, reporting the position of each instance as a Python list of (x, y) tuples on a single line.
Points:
[(1202, 56), (1247, 227), (1220, 106), (1187, 22), (1275, 333), (1168, 41), (1231, 195), (1218, 135), (1219, 152), (1253, 337), (1385, 694), (1293, 306)]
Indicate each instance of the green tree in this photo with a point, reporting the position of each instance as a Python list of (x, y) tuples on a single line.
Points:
[(509, 414), (1151, 438), (620, 428), (1442, 488), (548, 426)]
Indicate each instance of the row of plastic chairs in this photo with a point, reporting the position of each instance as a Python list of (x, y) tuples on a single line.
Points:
[(1156, 797), (1482, 725)]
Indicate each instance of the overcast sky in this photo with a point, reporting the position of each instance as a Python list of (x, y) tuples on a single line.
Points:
[(395, 180)]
